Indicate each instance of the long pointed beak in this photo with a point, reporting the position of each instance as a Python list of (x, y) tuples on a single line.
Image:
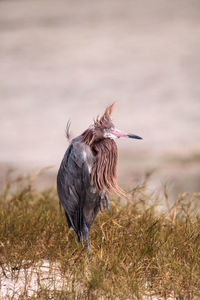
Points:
[(119, 133), (134, 136)]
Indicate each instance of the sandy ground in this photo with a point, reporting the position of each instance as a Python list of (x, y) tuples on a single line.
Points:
[(69, 59), (42, 275)]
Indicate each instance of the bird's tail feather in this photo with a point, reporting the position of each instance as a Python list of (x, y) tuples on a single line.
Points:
[(67, 131)]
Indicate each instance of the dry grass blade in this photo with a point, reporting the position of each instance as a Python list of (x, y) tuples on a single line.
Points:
[(136, 252)]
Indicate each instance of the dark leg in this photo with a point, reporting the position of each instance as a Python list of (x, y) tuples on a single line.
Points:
[(103, 201), (107, 202), (100, 207), (78, 237), (86, 236)]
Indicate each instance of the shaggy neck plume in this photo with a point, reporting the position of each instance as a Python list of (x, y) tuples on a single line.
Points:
[(104, 170)]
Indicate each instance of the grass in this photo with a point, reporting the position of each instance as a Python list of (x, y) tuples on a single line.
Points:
[(136, 252)]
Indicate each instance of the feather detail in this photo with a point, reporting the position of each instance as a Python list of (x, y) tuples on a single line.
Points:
[(104, 170)]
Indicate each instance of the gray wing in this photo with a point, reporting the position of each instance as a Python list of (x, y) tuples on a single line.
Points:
[(73, 183)]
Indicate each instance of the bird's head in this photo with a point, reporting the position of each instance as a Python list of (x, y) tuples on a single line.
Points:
[(104, 128)]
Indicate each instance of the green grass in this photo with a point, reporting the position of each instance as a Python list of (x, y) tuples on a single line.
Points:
[(135, 250)]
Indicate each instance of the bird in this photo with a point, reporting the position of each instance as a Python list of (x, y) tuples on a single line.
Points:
[(88, 174)]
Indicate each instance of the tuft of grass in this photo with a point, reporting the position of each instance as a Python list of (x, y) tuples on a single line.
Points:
[(136, 252)]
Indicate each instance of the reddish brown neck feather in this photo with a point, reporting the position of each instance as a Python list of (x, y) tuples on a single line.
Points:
[(104, 170)]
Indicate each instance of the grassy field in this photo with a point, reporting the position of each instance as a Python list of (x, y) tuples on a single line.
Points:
[(137, 253)]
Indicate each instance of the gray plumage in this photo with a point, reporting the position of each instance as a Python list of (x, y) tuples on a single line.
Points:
[(78, 197), (87, 172)]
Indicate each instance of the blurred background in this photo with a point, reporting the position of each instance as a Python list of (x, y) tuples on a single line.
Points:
[(63, 60)]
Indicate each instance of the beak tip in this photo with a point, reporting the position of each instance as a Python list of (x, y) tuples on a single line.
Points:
[(134, 136)]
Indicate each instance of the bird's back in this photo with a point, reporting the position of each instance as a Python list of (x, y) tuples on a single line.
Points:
[(79, 198)]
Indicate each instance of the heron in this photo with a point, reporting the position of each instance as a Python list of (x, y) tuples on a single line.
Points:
[(88, 174)]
